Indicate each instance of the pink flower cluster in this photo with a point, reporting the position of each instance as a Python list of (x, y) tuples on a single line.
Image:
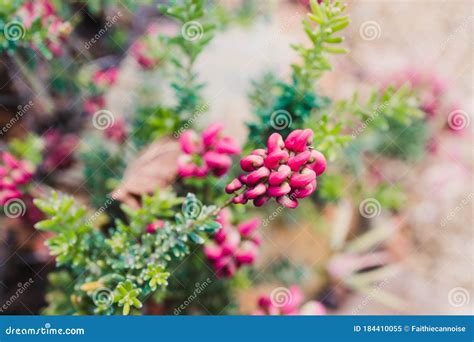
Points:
[(430, 86), (206, 154), (13, 174), (149, 51), (233, 247), (57, 30), (286, 170), (117, 131), (105, 78), (101, 80), (58, 150), (284, 301), (151, 228), (94, 104)]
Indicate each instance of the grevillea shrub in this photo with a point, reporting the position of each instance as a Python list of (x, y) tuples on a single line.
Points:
[(177, 228), (286, 170)]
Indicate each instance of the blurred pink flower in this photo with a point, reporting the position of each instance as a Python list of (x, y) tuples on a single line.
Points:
[(14, 174), (117, 131), (233, 247), (283, 301), (205, 154), (58, 150)]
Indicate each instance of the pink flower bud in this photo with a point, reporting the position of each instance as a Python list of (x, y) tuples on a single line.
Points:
[(243, 179), (240, 199), (233, 186), (296, 162), (189, 142), (300, 180), (224, 217), (153, 227), (275, 143), (212, 251), (217, 160), (291, 138), (246, 254), (258, 175), (7, 194), (220, 172), (20, 177), (297, 297), (278, 177), (277, 191), (275, 158), (306, 191), (318, 163), (10, 161), (251, 162), (430, 106), (259, 201), (256, 239), (7, 183), (302, 140), (201, 171), (287, 202), (186, 168), (259, 152), (257, 191), (210, 134), (228, 271), (227, 145), (223, 262), (246, 228), (221, 234), (231, 243), (117, 131), (264, 302)]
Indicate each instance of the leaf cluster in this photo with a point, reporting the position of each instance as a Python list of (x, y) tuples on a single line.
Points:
[(126, 263)]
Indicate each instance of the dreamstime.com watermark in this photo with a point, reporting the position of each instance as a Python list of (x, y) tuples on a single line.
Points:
[(283, 28), (281, 297), (110, 21), (104, 207), (192, 31), (371, 118), (370, 208), (370, 30), (459, 296), (46, 330), (454, 212), (374, 292), (275, 213), (22, 110), (22, 287), (199, 111), (464, 26), (200, 287), (14, 208)]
